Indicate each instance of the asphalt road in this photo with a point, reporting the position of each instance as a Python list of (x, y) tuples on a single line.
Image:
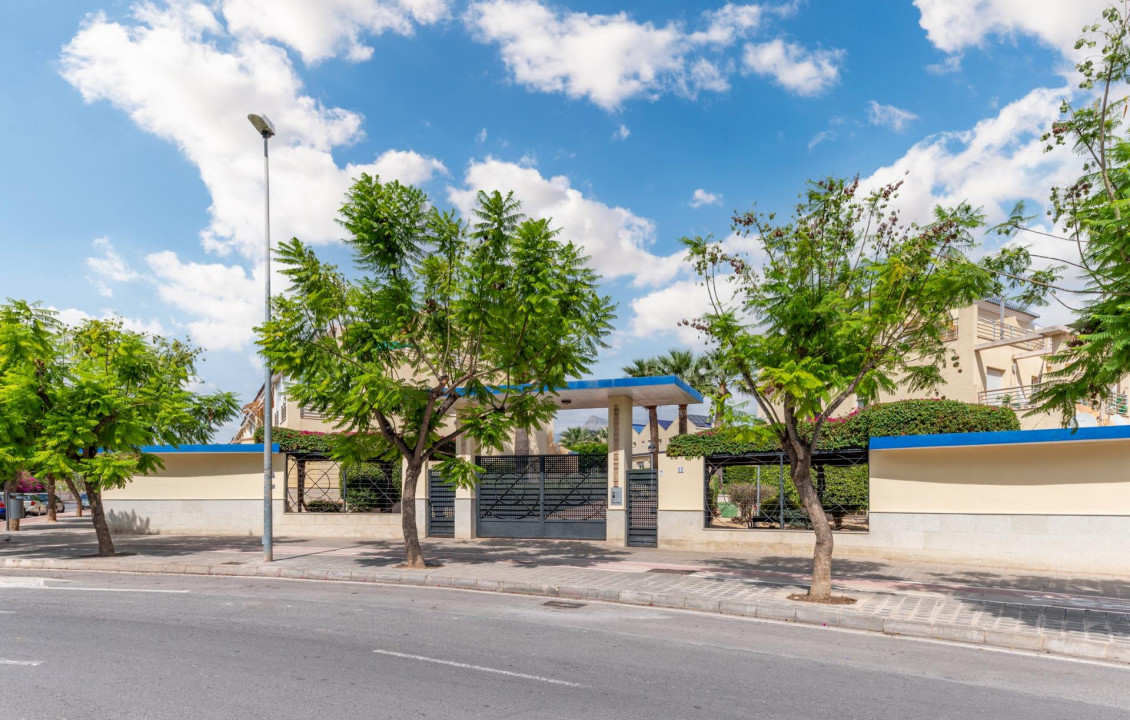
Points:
[(140, 646)]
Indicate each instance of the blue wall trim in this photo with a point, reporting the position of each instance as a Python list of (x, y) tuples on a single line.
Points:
[(1008, 437), (633, 382), (220, 448)]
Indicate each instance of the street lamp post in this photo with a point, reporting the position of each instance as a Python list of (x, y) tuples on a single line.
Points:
[(266, 129)]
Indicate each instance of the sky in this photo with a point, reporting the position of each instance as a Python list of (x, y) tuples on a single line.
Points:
[(133, 182)]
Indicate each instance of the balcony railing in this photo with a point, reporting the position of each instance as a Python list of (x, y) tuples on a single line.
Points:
[(994, 330), (1019, 397)]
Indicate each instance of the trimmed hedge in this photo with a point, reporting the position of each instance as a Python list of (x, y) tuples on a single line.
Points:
[(299, 441), (904, 417)]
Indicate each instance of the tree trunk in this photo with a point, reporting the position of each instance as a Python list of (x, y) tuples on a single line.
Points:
[(74, 491), (10, 487), (413, 554), (52, 515), (682, 419), (801, 472), (101, 529), (653, 424)]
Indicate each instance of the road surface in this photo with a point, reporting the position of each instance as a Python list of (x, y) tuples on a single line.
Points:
[(101, 645)]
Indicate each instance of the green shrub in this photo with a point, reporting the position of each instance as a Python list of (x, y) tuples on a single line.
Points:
[(904, 417), (744, 495), (590, 448), (322, 506)]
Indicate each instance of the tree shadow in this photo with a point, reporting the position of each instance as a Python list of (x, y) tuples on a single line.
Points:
[(531, 553)]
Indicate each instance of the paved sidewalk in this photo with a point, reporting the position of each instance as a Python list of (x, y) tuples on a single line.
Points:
[(1063, 613)]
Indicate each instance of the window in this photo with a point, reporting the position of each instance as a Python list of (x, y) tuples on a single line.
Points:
[(994, 379)]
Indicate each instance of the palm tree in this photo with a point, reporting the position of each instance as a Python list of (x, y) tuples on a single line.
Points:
[(683, 364), (646, 368), (576, 435)]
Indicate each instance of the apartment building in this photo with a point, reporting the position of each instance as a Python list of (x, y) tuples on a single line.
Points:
[(1000, 357)]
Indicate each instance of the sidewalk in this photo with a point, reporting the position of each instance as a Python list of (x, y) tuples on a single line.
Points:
[(1058, 613)]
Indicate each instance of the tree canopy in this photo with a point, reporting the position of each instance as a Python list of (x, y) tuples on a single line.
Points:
[(102, 393), (484, 317), (848, 300)]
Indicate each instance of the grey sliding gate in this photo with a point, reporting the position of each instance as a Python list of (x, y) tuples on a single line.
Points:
[(441, 507), (562, 497), (643, 508)]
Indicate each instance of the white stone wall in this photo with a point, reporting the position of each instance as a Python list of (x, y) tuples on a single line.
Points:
[(1093, 543)]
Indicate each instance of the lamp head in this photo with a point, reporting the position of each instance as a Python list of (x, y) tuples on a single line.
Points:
[(263, 124)]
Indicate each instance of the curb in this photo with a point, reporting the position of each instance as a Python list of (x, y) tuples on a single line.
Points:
[(776, 610)]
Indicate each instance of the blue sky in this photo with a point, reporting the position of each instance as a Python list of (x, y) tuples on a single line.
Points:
[(133, 181)]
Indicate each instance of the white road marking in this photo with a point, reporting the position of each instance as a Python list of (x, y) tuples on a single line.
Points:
[(27, 663), (40, 583), (480, 668)]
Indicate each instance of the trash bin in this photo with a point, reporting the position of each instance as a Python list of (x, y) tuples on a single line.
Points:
[(15, 507)]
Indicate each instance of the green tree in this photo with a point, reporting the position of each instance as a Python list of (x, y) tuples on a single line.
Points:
[(481, 319), (849, 300), (112, 392), (648, 367), (28, 351), (1092, 218)]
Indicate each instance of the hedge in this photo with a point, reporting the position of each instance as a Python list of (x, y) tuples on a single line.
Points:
[(299, 441), (903, 417)]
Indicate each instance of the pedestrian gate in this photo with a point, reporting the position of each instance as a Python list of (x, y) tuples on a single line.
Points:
[(561, 497), (643, 508), (441, 506)]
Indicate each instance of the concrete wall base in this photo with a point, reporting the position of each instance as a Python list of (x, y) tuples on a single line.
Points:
[(1023, 542), (245, 518)]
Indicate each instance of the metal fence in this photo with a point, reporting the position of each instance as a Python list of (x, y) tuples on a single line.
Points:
[(756, 492), (315, 483)]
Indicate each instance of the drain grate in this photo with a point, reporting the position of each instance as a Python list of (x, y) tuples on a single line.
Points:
[(232, 562), (563, 604), (672, 571)]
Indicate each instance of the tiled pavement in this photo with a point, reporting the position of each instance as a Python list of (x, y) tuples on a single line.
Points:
[(1085, 616)]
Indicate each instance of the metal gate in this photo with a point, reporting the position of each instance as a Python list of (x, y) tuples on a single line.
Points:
[(643, 508), (562, 497), (441, 506)]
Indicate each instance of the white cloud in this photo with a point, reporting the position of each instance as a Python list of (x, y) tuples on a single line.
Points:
[(952, 25), (798, 70), (319, 29), (660, 314), (108, 267), (224, 300), (889, 116), (702, 197), (820, 137), (482, 136), (993, 165), (74, 316), (410, 168), (615, 237), (951, 64), (177, 74), (608, 59), (622, 133)]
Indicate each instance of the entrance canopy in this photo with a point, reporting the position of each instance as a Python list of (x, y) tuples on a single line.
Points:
[(643, 391)]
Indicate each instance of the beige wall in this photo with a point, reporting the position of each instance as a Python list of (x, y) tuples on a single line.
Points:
[(1056, 478), (204, 476)]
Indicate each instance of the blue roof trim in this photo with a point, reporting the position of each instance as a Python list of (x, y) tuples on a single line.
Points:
[(220, 448), (633, 382), (1007, 437)]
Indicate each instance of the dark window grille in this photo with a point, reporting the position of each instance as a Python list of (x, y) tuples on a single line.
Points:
[(316, 483), (755, 491)]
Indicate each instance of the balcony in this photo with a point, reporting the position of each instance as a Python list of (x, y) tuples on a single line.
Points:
[(1020, 398), (1017, 398), (995, 331)]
